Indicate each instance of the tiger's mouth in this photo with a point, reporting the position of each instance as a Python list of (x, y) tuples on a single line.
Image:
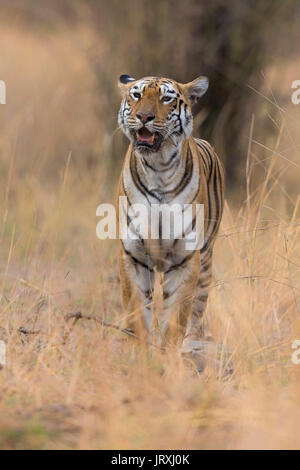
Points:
[(143, 136), (148, 140)]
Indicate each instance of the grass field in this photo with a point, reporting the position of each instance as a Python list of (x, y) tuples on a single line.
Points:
[(82, 385)]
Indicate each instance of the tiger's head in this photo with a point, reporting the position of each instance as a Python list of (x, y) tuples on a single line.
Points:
[(155, 111)]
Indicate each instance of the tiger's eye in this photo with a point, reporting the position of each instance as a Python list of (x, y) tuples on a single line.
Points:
[(136, 95)]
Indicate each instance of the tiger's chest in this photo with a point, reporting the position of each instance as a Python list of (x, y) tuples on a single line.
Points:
[(163, 248), (159, 217)]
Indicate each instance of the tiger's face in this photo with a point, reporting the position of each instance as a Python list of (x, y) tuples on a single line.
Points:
[(155, 111)]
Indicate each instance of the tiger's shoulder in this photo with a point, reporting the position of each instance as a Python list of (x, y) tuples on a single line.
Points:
[(208, 157)]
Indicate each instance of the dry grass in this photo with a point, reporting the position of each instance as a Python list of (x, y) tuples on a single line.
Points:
[(93, 387)]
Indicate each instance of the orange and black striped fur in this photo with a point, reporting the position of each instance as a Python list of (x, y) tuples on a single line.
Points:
[(164, 164)]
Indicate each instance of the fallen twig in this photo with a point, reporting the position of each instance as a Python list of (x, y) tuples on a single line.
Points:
[(79, 316), (28, 332)]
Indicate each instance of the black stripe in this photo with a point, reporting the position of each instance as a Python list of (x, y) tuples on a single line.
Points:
[(129, 222), (179, 119), (169, 167), (140, 185), (179, 265), (187, 176), (167, 295), (171, 158), (135, 260), (148, 165)]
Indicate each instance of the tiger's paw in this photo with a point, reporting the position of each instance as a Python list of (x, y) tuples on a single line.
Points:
[(206, 354)]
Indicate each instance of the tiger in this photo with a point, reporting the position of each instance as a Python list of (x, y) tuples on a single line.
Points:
[(165, 164)]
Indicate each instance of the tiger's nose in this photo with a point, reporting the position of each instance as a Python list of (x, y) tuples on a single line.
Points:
[(145, 117)]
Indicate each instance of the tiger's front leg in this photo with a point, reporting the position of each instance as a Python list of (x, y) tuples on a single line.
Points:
[(195, 326), (178, 295), (195, 346), (185, 298), (137, 288)]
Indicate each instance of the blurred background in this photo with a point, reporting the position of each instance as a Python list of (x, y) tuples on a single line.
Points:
[(61, 60), (60, 156)]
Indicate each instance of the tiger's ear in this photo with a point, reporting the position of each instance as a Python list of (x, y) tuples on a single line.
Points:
[(123, 83), (196, 88), (126, 79)]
